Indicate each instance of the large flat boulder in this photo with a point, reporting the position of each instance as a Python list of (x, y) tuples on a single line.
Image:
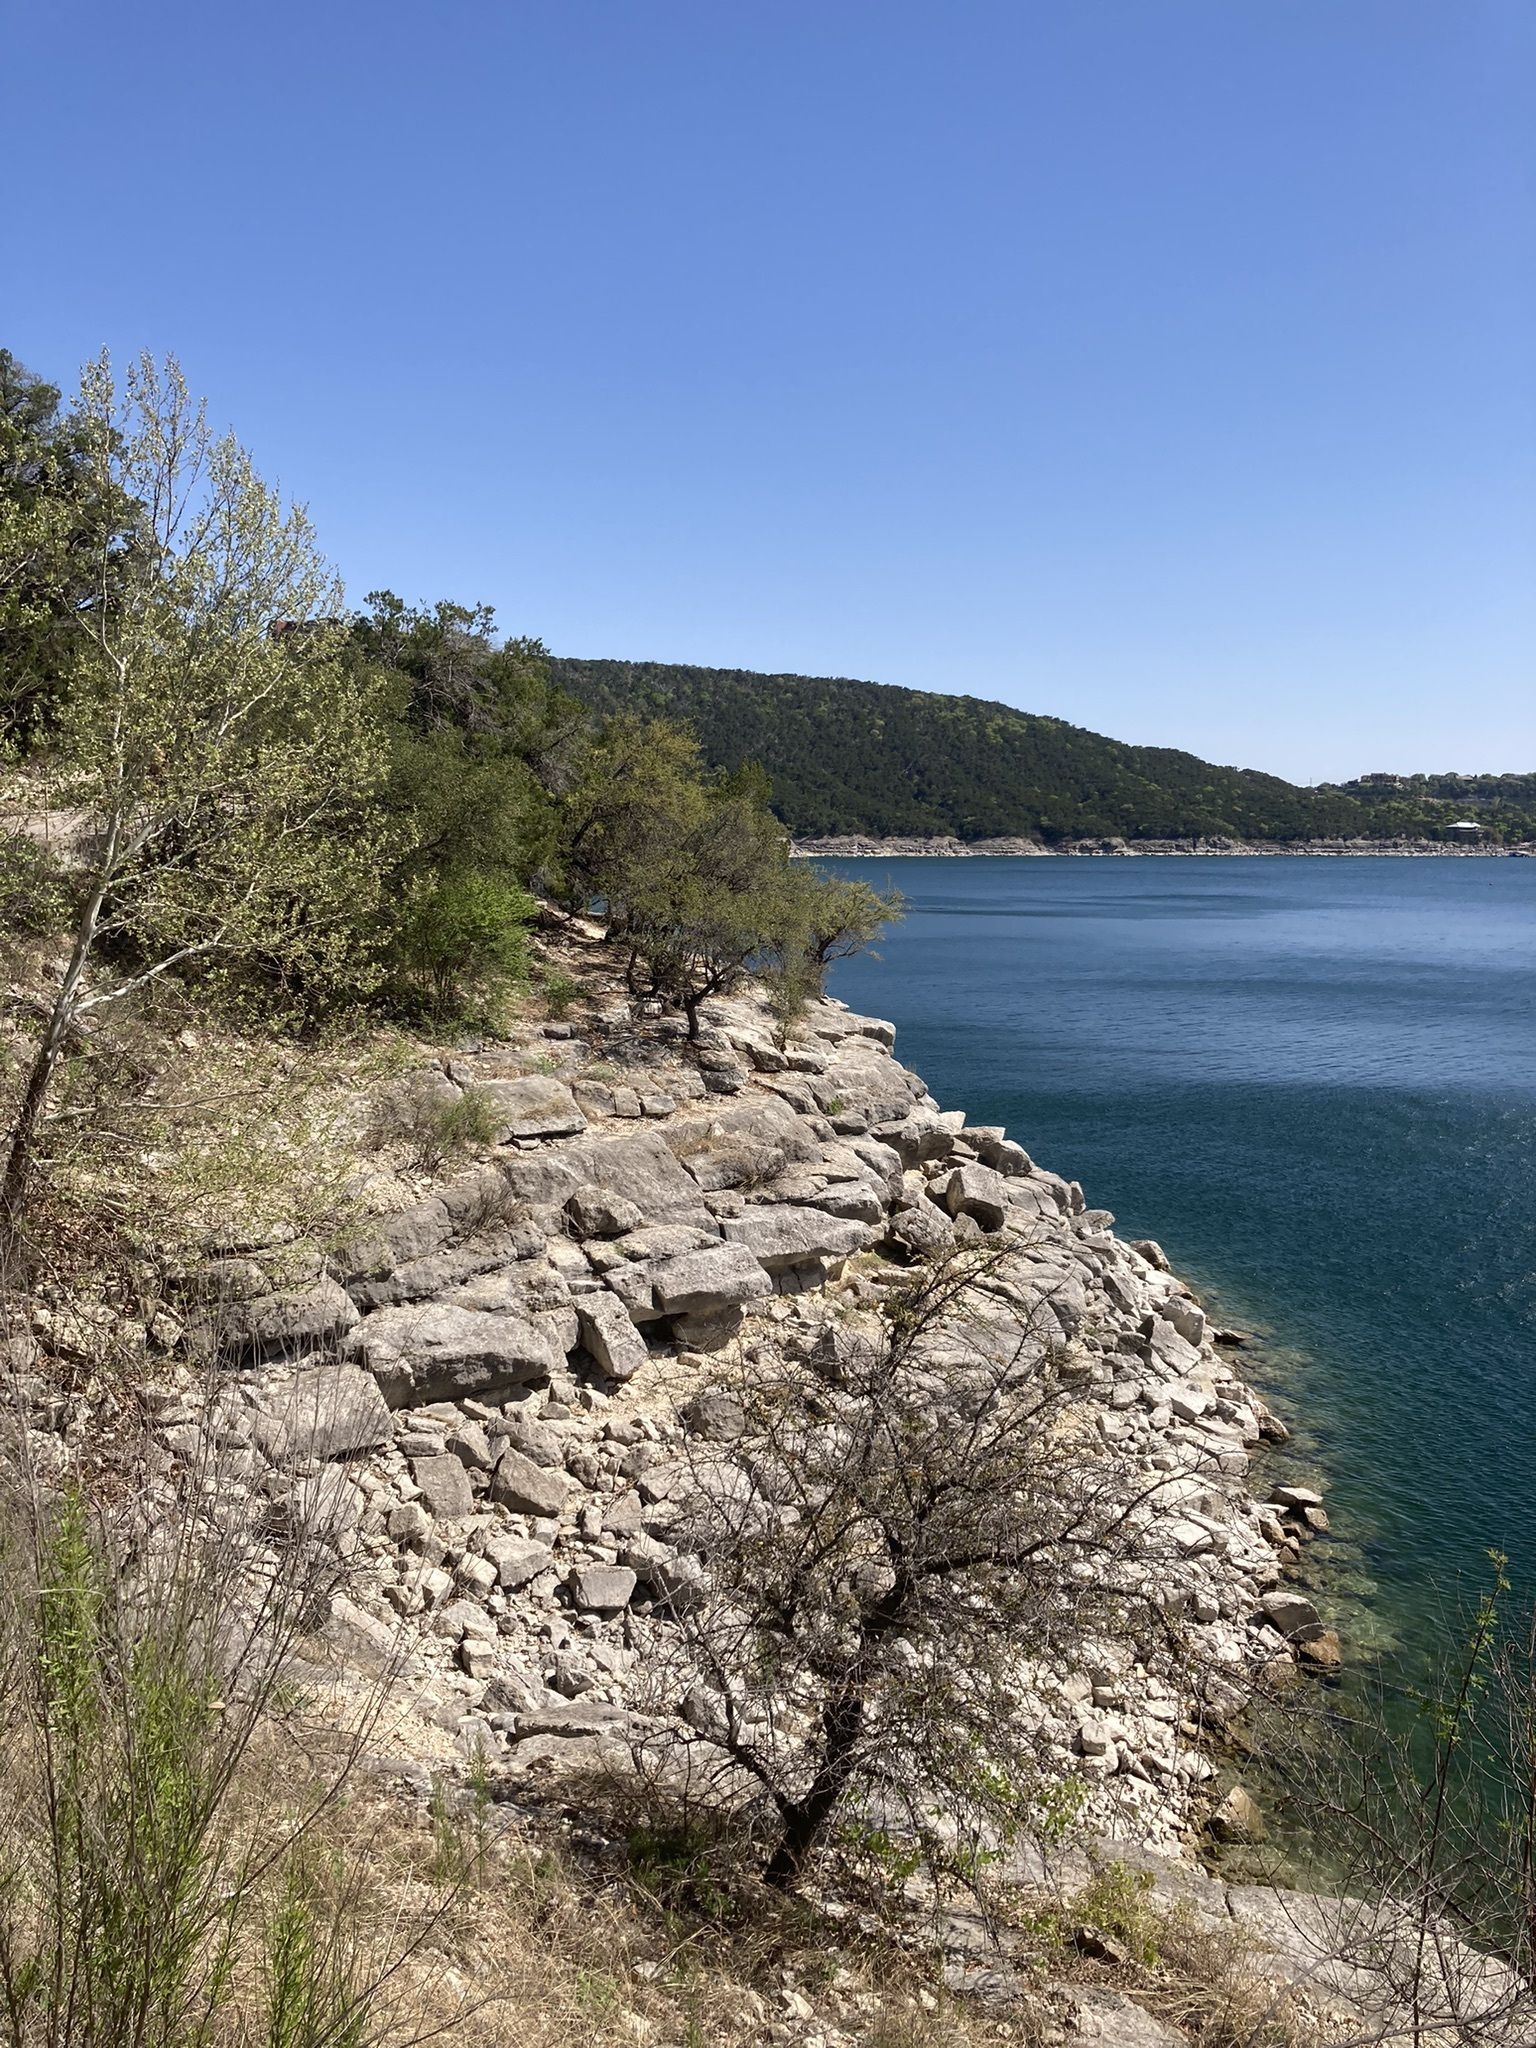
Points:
[(742, 1145), (534, 1106), (641, 1171), (437, 1353), (444, 1485), (721, 1277), (287, 1323), (389, 1241), (784, 1235), (978, 1192), (1292, 1614), (526, 1488), (330, 1410)]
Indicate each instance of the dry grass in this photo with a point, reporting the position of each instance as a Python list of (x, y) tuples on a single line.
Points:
[(541, 1943)]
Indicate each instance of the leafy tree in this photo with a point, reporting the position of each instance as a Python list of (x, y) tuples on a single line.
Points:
[(846, 917), (220, 776), (479, 746), (460, 678), (61, 525), (693, 873)]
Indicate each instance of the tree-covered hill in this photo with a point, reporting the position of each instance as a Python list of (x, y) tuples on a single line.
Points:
[(847, 756)]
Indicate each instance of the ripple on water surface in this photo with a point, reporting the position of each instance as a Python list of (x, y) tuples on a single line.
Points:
[(1314, 1081)]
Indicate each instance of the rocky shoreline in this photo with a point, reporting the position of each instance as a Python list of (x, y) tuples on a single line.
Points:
[(500, 1384), (483, 1406), (859, 846)]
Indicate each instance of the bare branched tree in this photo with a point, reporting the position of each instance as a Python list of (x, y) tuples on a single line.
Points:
[(915, 1525)]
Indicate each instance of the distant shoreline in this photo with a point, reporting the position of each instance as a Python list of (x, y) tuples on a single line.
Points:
[(858, 846)]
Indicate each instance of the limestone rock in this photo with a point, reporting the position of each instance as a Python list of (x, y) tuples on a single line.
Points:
[(331, 1409), (517, 1560), (1238, 1818), (609, 1334), (283, 1325), (593, 1212), (781, 1237), (979, 1192), (445, 1488), (438, 1353), (535, 1106), (526, 1488), (715, 1415), (913, 1232), (1292, 1614), (602, 1588), (704, 1281), (1105, 2018)]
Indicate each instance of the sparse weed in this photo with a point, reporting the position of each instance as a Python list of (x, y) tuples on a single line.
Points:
[(432, 1125)]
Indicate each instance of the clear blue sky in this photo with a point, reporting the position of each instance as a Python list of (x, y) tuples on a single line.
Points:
[(1167, 365)]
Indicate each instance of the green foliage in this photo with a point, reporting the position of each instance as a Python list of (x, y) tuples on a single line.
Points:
[(1118, 1903), (696, 876), (226, 774), (848, 756), (677, 1862), (459, 932), (137, 1897), (64, 537), (34, 890), (560, 992), (479, 746), (318, 1995)]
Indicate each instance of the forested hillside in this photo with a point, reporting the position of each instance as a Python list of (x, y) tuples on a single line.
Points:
[(848, 756)]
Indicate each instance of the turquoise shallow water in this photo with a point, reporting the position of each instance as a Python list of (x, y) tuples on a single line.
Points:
[(1314, 1081)]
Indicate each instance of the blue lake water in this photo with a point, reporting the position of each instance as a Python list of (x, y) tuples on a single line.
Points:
[(1314, 1082)]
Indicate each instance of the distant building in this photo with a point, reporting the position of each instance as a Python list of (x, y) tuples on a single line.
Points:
[(1465, 828), (1379, 781)]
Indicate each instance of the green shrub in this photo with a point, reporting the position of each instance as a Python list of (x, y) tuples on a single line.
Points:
[(432, 1126), (560, 992), (462, 942), (160, 1886)]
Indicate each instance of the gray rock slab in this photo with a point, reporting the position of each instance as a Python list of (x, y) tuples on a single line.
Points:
[(571, 1718), (438, 1353), (1105, 2018), (602, 1588), (445, 1489), (632, 1286), (666, 1240), (609, 1334), (534, 1106), (721, 1277), (1293, 1614), (596, 1212), (332, 1409), (282, 1325), (518, 1560), (526, 1488), (390, 1241), (979, 1192), (785, 1236)]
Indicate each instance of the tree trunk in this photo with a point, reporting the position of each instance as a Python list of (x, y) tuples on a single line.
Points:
[(16, 1183), (806, 1819)]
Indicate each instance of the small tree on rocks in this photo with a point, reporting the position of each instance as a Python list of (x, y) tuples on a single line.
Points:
[(915, 1523)]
